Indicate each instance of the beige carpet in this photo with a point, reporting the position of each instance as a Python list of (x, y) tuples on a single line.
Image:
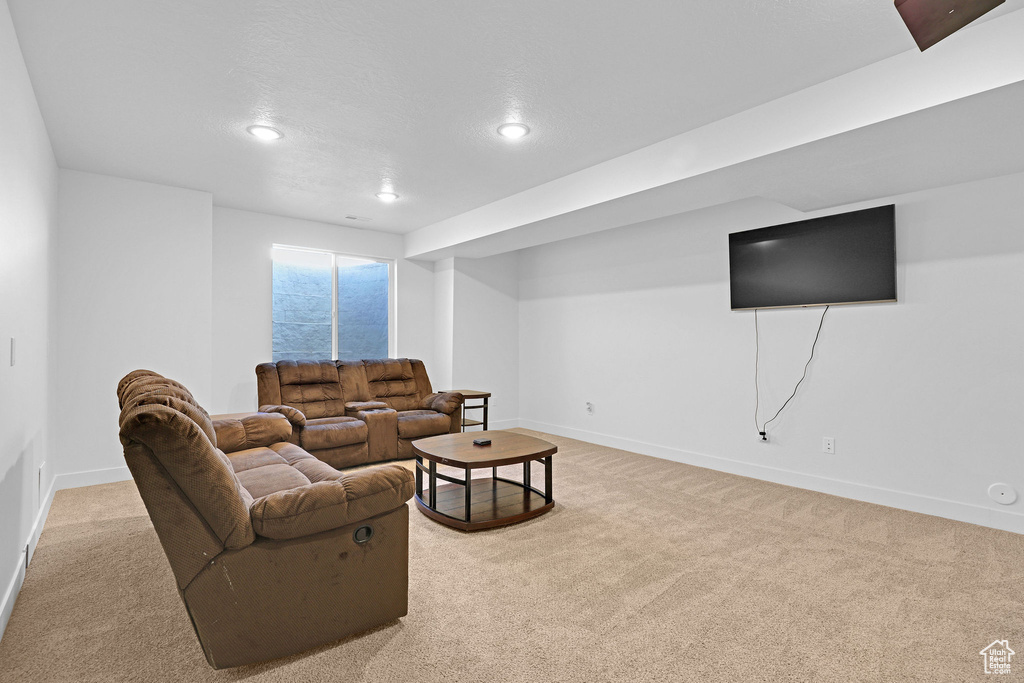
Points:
[(646, 570)]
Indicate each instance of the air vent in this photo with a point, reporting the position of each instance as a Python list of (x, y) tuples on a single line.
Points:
[(357, 218)]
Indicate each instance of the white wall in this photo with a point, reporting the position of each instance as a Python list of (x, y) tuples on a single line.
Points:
[(486, 333), (242, 291), (28, 207), (444, 325), (923, 397), (133, 272)]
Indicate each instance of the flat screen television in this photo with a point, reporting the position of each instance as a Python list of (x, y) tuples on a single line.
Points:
[(842, 259)]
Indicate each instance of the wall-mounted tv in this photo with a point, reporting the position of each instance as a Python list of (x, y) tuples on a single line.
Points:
[(842, 259)]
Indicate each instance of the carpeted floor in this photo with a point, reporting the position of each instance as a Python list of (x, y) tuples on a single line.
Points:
[(646, 570)]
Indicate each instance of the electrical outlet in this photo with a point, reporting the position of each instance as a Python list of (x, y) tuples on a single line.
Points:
[(828, 445), (590, 408)]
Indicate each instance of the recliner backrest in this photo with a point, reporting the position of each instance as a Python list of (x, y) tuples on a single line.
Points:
[(314, 387), (197, 505), (400, 382)]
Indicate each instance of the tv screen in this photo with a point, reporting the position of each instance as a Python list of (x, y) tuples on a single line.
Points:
[(843, 259)]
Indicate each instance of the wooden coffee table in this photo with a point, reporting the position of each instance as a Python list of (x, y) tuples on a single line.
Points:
[(470, 504)]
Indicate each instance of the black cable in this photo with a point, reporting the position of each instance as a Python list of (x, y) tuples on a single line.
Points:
[(763, 429), (757, 362)]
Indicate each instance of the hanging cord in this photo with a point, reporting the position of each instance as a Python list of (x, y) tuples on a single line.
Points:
[(763, 429)]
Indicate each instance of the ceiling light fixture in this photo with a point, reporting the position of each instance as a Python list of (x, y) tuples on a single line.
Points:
[(265, 133), (513, 131), (387, 196)]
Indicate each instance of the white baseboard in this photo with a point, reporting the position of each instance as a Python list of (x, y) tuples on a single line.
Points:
[(74, 480), (11, 594), (962, 512), (37, 526), (61, 481), (501, 424)]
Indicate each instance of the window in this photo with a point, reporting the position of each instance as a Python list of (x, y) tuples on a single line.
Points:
[(329, 305)]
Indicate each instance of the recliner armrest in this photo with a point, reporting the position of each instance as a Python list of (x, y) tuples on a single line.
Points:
[(325, 505), (294, 415), (357, 406), (443, 403), (251, 431)]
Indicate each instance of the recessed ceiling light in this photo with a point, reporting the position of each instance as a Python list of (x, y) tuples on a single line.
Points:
[(387, 196), (265, 133), (513, 131)]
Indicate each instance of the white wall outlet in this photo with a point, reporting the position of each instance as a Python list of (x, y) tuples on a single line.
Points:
[(590, 408), (828, 445)]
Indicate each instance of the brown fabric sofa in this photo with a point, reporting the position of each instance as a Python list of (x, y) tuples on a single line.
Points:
[(325, 401), (273, 551)]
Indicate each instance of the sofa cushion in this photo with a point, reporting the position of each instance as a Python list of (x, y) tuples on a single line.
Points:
[(392, 380), (167, 396), (251, 431), (254, 457), (134, 382), (147, 387), (330, 504), (314, 387), (331, 432), (413, 424), (262, 481), (443, 403), (312, 468)]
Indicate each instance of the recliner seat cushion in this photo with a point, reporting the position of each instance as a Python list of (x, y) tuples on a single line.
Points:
[(254, 457), (414, 424), (329, 504), (313, 468), (331, 432), (267, 479)]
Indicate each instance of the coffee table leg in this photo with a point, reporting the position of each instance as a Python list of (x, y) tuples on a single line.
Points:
[(547, 480), (433, 485), (419, 477), (469, 488), (526, 474)]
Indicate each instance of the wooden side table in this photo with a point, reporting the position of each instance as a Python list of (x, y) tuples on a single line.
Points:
[(473, 395)]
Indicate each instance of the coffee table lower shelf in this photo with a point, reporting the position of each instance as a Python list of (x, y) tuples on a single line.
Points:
[(495, 502)]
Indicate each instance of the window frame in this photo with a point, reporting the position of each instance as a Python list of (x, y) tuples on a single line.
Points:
[(335, 255)]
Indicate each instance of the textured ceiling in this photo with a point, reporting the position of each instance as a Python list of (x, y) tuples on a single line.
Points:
[(410, 93)]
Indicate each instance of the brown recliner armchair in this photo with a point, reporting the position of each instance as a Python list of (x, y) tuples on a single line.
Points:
[(391, 397), (273, 551), (402, 384)]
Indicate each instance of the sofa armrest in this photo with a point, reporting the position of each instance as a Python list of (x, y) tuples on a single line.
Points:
[(443, 403), (357, 406), (382, 432), (325, 505), (294, 415), (251, 431)]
